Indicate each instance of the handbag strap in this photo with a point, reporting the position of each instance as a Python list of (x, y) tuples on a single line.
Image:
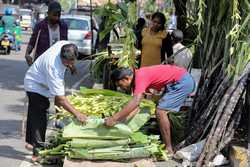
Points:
[(37, 38)]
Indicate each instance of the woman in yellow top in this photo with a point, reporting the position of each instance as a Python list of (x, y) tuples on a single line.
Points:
[(155, 42)]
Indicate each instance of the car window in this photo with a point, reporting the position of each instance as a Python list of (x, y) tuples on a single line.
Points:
[(22, 13), (77, 24), (75, 12)]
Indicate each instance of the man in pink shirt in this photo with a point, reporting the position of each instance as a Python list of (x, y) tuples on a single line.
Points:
[(178, 84)]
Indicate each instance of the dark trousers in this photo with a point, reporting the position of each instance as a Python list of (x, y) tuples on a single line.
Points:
[(36, 120)]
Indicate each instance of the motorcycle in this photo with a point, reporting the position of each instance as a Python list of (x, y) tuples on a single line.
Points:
[(6, 42)]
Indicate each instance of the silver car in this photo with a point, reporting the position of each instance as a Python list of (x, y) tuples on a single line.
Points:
[(79, 32)]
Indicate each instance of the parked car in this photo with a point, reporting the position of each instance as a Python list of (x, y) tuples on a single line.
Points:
[(86, 11), (79, 32), (25, 18)]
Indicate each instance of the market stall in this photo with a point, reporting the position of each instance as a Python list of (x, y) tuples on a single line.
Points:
[(94, 141)]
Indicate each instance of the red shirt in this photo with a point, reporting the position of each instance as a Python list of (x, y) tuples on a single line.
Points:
[(156, 77)]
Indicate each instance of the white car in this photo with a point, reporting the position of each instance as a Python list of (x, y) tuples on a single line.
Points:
[(25, 18), (79, 32)]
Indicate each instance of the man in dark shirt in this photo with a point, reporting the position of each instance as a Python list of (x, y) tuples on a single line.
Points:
[(47, 32)]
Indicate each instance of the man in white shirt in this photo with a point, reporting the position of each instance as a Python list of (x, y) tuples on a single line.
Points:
[(45, 79), (182, 56)]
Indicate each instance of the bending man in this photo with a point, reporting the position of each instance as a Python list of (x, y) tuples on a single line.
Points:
[(176, 80), (44, 79)]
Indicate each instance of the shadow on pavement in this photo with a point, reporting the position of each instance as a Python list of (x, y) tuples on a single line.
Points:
[(16, 108), (10, 152), (10, 129), (12, 73)]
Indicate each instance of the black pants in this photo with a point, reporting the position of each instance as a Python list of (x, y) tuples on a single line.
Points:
[(36, 120)]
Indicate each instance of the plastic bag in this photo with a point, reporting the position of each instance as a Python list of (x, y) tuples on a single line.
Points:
[(192, 152)]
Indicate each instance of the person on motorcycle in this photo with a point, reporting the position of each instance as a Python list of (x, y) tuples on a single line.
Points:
[(8, 20)]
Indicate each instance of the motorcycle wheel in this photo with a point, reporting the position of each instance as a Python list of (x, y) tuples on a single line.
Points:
[(8, 50)]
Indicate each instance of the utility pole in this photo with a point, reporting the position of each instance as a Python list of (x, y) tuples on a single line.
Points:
[(91, 23)]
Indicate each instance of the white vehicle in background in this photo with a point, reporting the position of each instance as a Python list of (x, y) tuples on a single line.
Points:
[(79, 32), (25, 18)]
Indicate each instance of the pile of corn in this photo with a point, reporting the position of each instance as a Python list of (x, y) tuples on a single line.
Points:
[(100, 103), (95, 141)]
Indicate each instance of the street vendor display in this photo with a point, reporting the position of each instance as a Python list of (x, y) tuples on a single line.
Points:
[(94, 140), (178, 84)]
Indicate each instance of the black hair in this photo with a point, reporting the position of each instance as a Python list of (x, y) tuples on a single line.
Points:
[(120, 73), (177, 36), (54, 6), (69, 51), (162, 18), (140, 22)]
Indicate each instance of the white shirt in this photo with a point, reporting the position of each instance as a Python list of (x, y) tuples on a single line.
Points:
[(183, 58), (46, 75), (54, 34)]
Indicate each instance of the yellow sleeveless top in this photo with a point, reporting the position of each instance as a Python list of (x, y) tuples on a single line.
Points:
[(151, 47)]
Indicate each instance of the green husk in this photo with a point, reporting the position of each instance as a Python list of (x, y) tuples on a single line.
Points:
[(105, 92), (59, 150), (92, 131), (114, 153), (136, 122), (94, 143)]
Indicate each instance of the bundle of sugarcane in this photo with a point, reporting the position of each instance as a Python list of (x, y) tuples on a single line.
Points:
[(226, 120), (95, 141), (223, 49)]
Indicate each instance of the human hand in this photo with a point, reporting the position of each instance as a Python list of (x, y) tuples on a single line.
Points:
[(73, 70), (29, 60), (110, 121), (81, 117)]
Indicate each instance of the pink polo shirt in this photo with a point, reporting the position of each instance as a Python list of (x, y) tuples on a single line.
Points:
[(156, 77)]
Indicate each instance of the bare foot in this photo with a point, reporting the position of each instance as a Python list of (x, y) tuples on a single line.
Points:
[(29, 147), (35, 158), (169, 150)]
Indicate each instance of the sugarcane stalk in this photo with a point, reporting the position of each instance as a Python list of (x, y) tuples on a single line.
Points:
[(201, 106), (218, 50), (208, 27), (227, 106), (202, 123), (211, 48), (223, 103), (238, 92), (215, 146), (233, 125)]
